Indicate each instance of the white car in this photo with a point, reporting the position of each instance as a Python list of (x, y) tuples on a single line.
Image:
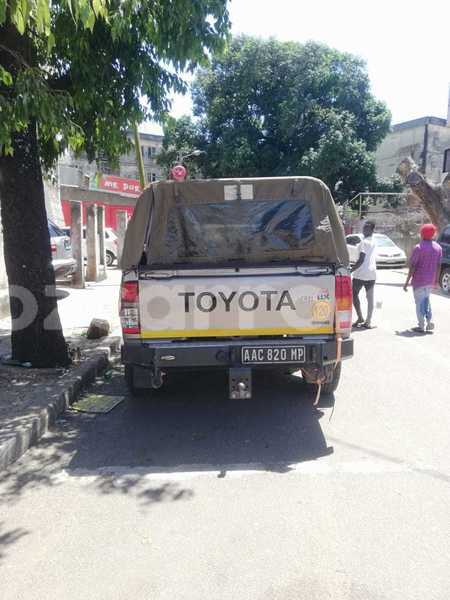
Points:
[(62, 260), (388, 253), (110, 244)]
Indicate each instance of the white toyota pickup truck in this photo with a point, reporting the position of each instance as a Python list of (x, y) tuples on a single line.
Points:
[(235, 274)]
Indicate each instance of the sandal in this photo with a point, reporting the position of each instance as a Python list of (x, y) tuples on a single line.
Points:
[(357, 323), (367, 325)]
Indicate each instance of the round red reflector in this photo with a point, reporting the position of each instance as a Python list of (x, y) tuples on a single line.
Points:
[(179, 173)]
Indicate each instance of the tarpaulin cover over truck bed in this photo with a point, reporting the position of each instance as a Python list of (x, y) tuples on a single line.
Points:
[(252, 221)]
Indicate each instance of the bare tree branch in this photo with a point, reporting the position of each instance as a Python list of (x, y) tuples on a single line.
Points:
[(435, 199)]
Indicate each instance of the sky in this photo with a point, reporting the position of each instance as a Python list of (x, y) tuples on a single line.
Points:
[(406, 44)]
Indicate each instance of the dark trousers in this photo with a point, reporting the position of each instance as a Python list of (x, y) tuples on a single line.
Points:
[(369, 286)]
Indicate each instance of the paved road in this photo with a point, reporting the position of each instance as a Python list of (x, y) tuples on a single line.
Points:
[(193, 496)]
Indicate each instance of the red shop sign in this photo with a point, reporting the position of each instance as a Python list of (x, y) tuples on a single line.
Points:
[(120, 185)]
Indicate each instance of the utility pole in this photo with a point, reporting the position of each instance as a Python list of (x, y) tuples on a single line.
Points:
[(139, 159)]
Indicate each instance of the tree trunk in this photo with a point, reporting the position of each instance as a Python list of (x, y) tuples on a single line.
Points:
[(36, 335), (435, 199)]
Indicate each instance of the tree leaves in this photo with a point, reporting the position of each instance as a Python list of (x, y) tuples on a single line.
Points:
[(3, 5), (81, 67), (270, 108), (5, 77), (37, 14), (42, 17)]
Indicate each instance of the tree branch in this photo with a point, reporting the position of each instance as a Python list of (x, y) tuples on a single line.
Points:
[(16, 55), (434, 198)]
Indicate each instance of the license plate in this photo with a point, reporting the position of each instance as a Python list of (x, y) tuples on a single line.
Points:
[(266, 355)]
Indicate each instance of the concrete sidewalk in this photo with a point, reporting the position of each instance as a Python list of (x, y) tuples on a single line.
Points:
[(30, 399), (78, 307)]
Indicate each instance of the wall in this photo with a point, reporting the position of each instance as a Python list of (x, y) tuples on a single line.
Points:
[(396, 146), (111, 201), (438, 142), (52, 203), (402, 225), (71, 168), (110, 212), (408, 140)]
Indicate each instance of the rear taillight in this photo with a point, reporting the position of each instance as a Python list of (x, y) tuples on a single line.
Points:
[(53, 247), (129, 307), (343, 295)]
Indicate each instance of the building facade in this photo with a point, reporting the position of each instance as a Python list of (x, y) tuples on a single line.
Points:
[(114, 187), (74, 170), (425, 140)]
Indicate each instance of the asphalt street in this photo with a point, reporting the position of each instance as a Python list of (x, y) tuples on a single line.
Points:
[(192, 496)]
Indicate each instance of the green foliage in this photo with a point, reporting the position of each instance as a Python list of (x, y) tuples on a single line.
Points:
[(393, 185), (270, 108), (341, 158), (36, 14), (181, 137), (81, 68)]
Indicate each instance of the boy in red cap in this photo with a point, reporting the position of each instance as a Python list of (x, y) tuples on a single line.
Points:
[(423, 271)]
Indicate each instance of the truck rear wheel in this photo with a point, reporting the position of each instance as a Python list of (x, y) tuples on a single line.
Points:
[(332, 382)]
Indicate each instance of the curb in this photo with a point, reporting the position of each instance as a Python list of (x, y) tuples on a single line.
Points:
[(39, 422)]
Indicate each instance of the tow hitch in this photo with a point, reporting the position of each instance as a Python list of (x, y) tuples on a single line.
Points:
[(240, 383)]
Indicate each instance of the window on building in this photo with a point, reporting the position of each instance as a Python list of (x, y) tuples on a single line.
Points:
[(105, 167), (146, 152), (151, 151), (446, 168)]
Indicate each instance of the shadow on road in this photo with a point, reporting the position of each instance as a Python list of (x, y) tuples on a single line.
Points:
[(61, 294), (409, 333), (440, 292), (190, 426), (8, 538)]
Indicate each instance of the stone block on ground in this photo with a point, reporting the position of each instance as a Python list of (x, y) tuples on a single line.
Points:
[(98, 328)]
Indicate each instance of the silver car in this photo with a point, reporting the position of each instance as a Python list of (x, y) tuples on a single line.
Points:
[(62, 259), (110, 244), (387, 252)]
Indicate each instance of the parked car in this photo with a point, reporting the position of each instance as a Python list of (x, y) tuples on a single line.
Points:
[(444, 278), (110, 244), (388, 253), (62, 259)]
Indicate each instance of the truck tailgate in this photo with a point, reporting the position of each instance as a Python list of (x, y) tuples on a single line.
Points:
[(237, 305)]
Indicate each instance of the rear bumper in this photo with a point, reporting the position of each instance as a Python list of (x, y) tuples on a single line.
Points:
[(390, 262), (64, 267), (227, 353)]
